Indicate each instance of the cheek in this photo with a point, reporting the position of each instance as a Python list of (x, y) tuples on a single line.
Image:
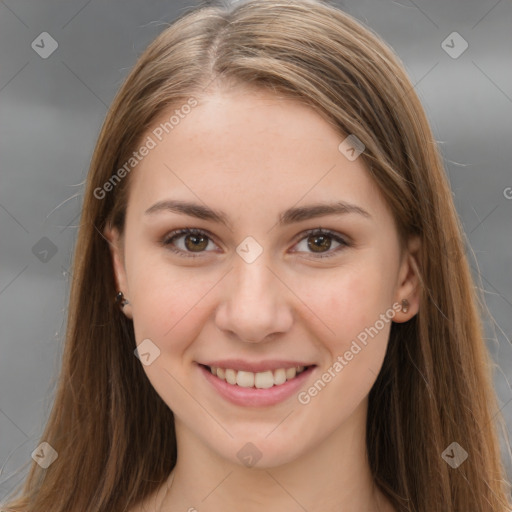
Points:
[(167, 301), (352, 334), (351, 306), (344, 303), (169, 309)]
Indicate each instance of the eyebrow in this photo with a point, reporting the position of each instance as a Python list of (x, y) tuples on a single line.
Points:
[(289, 216)]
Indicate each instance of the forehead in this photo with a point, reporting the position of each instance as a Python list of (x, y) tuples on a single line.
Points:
[(244, 148)]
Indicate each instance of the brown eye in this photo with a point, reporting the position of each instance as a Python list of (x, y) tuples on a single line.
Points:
[(196, 242), (319, 242), (187, 242)]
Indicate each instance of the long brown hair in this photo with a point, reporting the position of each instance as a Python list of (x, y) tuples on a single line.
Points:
[(115, 436)]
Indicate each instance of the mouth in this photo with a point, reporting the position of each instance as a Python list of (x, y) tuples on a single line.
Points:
[(257, 380)]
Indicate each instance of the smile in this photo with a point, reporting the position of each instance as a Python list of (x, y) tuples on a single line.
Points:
[(260, 380), (260, 389)]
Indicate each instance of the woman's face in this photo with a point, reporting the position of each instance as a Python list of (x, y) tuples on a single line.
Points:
[(251, 288)]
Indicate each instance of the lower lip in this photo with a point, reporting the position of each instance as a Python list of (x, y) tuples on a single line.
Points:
[(254, 397)]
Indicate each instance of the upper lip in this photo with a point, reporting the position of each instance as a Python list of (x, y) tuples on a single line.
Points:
[(255, 367)]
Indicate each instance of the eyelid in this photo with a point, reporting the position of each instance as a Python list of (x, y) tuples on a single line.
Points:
[(177, 233), (344, 241)]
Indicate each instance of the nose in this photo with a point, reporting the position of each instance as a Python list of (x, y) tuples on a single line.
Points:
[(254, 303)]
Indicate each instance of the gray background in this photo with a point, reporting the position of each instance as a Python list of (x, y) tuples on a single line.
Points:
[(51, 113)]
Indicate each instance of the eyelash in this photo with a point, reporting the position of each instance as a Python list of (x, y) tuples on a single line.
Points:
[(167, 241)]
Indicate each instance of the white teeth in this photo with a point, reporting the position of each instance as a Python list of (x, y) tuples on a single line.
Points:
[(264, 380), (290, 373), (279, 376), (230, 375), (245, 379), (260, 380)]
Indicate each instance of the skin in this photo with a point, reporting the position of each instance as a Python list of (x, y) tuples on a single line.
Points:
[(253, 155)]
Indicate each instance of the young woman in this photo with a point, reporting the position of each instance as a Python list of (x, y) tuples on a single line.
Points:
[(267, 206)]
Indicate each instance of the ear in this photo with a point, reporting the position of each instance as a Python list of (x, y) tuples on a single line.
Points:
[(116, 245), (408, 284)]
